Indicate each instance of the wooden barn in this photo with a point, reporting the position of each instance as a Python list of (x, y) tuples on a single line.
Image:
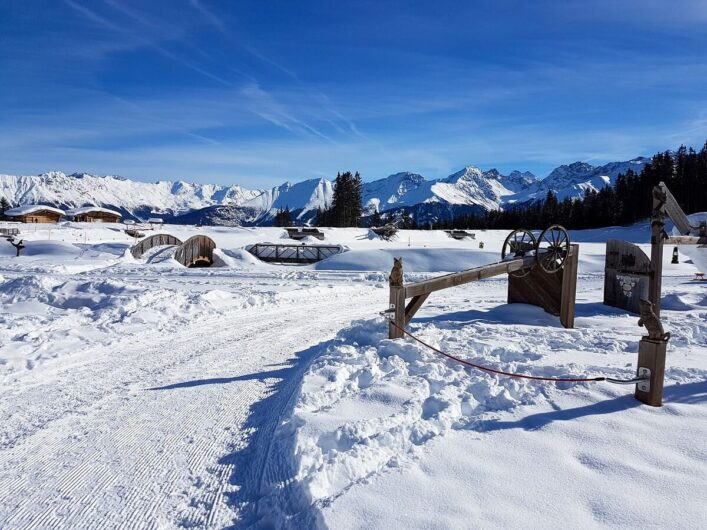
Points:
[(35, 213), (94, 214)]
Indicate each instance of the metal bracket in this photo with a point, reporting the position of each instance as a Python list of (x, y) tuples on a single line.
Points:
[(644, 386), (389, 313)]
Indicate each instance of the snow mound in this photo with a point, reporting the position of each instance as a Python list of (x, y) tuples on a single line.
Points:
[(235, 259), (369, 404), (47, 316)]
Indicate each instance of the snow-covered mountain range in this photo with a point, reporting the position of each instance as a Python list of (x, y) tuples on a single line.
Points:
[(471, 189)]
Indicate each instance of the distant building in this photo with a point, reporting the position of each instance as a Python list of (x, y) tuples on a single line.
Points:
[(94, 214), (155, 221), (35, 213)]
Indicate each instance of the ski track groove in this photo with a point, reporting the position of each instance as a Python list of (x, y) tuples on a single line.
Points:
[(155, 492)]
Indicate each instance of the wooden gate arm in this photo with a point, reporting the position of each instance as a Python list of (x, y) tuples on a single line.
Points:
[(458, 278)]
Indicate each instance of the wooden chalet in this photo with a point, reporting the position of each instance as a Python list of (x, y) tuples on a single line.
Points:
[(94, 214), (35, 213)]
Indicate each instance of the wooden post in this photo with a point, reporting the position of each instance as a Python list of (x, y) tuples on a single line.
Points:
[(397, 300), (657, 240), (569, 288), (651, 355)]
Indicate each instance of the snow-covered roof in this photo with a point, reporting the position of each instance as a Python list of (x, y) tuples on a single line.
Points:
[(31, 208), (87, 209), (155, 220)]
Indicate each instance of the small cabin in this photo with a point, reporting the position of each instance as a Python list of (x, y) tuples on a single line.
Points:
[(301, 233), (94, 214), (35, 213)]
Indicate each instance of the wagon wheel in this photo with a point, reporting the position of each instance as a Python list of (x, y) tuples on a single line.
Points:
[(517, 245), (553, 248)]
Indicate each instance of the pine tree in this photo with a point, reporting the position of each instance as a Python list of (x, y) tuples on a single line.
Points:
[(346, 207), (375, 220), (283, 218), (4, 206)]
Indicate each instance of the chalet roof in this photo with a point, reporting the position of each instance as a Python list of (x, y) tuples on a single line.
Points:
[(89, 209), (32, 208)]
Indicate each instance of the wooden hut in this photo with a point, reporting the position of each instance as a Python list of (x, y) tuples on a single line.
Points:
[(94, 214), (35, 213)]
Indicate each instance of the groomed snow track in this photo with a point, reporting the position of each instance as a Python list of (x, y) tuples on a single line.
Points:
[(165, 431)]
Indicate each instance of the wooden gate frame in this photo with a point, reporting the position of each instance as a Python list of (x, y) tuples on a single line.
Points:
[(664, 204), (555, 293)]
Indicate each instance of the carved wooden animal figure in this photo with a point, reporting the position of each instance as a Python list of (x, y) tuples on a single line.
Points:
[(396, 274), (651, 322)]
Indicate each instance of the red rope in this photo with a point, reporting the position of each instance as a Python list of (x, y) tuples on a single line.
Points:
[(500, 372)]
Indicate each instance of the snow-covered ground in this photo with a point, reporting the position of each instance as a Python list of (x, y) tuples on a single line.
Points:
[(141, 394)]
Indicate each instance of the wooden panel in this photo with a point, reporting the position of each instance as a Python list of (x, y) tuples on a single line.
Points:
[(555, 293), (626, 257), (624, 290), (197, 251), (155, 240), (626, 275)]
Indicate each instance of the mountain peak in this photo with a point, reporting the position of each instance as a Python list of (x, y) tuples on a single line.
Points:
[(468, 173)]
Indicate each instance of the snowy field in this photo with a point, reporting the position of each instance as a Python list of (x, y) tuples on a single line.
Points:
[(141, 394)]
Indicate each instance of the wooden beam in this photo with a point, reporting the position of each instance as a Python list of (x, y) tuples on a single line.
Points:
[(672, 208), (471, 275), (414, 306), (685, 240)]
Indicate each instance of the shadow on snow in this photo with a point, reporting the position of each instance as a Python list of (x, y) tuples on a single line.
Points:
[(686, 394)]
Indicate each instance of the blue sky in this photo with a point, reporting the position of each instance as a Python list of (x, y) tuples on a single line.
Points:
[(257, 93)]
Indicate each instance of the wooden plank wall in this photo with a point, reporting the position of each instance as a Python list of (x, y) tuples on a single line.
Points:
[(555, 293), (626, 275), (154, 241), (197, 251)]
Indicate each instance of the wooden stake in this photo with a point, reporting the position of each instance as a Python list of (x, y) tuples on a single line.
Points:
[(651, 355)]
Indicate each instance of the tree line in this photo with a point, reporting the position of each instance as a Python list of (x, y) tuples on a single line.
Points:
[(629, 200)]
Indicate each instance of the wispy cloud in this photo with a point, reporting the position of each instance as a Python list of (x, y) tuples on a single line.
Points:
[(209, 16)]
